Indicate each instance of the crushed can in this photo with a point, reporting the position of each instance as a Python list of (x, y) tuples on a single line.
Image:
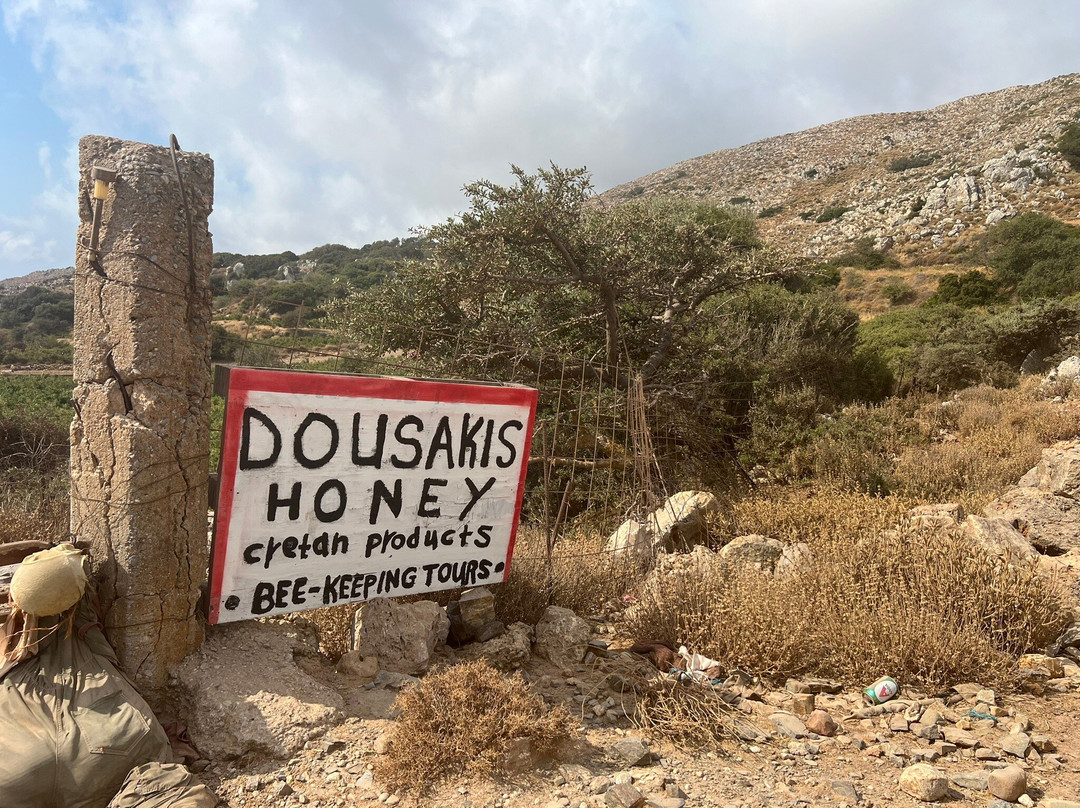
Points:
[(881, 691)]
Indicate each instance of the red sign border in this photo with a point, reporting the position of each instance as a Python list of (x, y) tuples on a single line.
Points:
[(242, 381)]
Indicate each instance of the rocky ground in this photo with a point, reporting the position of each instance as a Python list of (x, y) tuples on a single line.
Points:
[(970, 163), (860, 760), (277, 724)]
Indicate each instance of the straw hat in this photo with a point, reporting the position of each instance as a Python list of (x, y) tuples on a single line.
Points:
[(49, 582)]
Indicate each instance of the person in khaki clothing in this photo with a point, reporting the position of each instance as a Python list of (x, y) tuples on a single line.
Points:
[(73, 725)]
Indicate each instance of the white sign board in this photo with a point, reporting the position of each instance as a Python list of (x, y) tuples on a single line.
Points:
[(337, 489)]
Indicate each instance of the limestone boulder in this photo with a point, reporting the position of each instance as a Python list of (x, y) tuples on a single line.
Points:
[(962, 191), (632, 539), (509, 651), (562, 637), (402, 636), (948, 514), (472, 617), (242, 693), (999, 536), (1058, 471), (1067, 370), (677, 526), (793, 559), (756, 552), (923, 782), (1051, 523), (1008, 783)]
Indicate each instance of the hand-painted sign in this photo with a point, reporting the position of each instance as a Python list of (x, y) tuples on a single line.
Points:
[(337, 489)]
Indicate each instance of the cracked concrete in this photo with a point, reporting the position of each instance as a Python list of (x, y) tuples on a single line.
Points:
[(140, 437)]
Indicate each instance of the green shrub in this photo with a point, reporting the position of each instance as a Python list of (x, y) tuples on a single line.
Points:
[(769, 212), (946, 347), (970, 289), (919, 160), (1036, 255), (47, 397), (898, 291), (823, 276), (830, 213), (1068, 144), (862, 255), (740, 200)]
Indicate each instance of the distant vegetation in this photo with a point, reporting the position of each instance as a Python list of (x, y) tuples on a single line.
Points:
[(1069, 145), (1035, 255), (920, 160), (863, 255), (971, 331), (971, 288), (336, 271), (35, 326), (830, 213)]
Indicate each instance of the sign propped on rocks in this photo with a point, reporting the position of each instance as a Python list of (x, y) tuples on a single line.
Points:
[(338, 489)]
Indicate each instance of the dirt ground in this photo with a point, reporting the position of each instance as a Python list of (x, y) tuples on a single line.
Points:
[(860, 765)]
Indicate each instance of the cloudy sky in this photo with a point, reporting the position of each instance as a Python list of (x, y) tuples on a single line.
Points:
[(354, 120)]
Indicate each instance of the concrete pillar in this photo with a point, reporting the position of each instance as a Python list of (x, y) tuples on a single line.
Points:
[(141, 432)]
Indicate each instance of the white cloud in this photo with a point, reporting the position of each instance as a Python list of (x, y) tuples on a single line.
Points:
[(22, 241), (333, 120)]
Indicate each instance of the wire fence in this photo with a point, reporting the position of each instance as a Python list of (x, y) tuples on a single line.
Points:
[(597, 456)]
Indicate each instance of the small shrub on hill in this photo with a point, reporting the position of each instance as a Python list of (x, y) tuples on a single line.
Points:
[(1037, 255), (862, 255), (462, 720), (831, 213), (909, 162), (972, 288), (898, 291), (769, 212), (740, 200), (1068, 144)]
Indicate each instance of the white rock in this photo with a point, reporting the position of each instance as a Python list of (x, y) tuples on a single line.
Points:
[(562, 637), (924, 782), (402, 636), (242, 693)]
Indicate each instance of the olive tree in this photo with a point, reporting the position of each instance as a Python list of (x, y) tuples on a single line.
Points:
[(542, 264)]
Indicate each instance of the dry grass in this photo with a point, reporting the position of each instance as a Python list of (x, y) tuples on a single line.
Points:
[(33, 506), (689, 716), (811, 515), (864, 290), (968, 449), (995, 436), (580, 576), (923, 607), (463, 720)]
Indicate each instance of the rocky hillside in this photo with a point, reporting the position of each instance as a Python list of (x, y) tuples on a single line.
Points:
[(918, 182)]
